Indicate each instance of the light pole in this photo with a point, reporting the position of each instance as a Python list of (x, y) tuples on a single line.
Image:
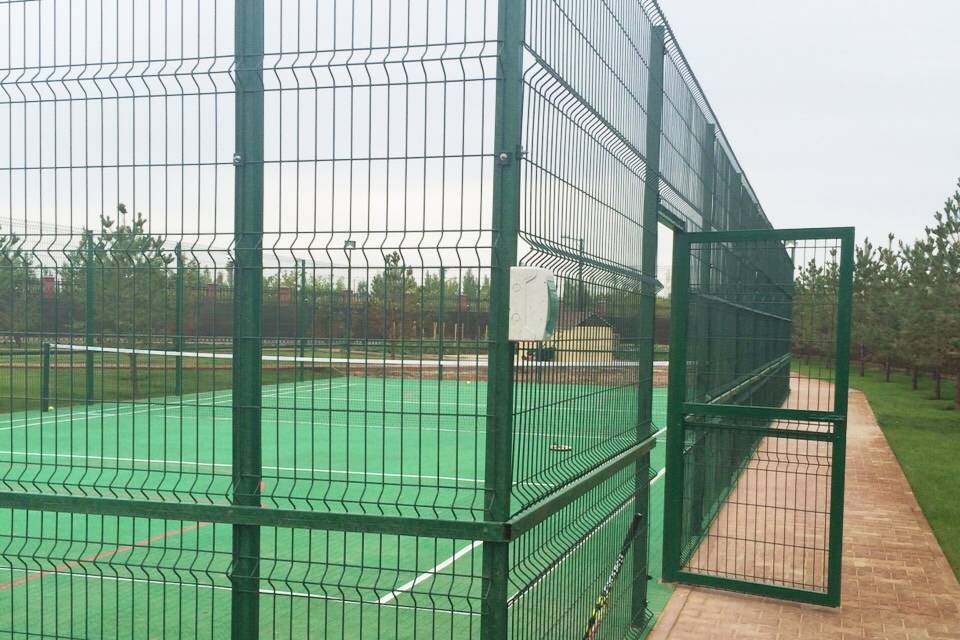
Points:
[(579, 269)]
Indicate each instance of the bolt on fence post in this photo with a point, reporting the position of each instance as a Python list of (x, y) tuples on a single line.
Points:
[(88, 314), (498, 471), (648, 269), (247, 314), (44, 376), (178, 310)]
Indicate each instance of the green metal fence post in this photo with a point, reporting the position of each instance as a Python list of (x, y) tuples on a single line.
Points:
[(841, 389), (247, 314), (88, 315), (704, 356), (676, 390), (648, 267), (708, 174), (301, 320), (178, 310), (498, 472), (45, 376)]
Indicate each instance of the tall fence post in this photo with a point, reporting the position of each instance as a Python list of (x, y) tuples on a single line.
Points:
[(676, 389), (498, 472), (704, 344), (708, 172), (648, 268), (178, 310), (841, 389), (247, 314), (88, 316)]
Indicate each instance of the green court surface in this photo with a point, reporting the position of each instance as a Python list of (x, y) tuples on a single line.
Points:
[(389, 445)]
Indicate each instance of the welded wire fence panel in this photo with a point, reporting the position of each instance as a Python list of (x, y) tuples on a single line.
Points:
[(769, 518), (586, 226), (255, 263), (758, 411), (565, 561), (139, 577)]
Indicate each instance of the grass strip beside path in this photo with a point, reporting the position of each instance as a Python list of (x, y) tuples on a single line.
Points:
[(925, 437)]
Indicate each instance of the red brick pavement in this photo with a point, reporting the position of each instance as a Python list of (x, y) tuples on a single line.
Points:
[(897, 584)]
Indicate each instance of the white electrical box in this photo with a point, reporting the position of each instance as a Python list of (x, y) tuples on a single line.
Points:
[(534, 305)]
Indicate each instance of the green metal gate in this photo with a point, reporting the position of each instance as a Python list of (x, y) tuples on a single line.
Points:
[(757, 411)]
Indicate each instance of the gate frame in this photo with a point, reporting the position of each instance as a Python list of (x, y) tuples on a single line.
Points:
[(678, 409)]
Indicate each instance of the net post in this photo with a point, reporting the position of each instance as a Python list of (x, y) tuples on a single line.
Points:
[(247, 315), (648, 268), (88, 315), (498, 471), (178, 310), (301, 319), (45, 376)]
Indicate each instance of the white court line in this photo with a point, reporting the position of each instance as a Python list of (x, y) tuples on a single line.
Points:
[(75, 415), (176, 464), (358, 424), (659, 475), (430, 573), (137, 407), (216, 587), (427, 575)]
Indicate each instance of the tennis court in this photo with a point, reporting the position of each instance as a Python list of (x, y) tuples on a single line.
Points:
[(365, 438)]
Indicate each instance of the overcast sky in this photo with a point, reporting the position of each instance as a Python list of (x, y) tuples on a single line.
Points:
[(842, 112)]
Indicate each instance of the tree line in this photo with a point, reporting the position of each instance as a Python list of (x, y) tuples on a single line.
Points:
[(906, 303)]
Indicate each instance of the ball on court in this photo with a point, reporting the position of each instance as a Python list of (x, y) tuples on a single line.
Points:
[(50, 408)]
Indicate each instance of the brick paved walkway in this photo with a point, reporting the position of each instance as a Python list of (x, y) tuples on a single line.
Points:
[(896, 581)]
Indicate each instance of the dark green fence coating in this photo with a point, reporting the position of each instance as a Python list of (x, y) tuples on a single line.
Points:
[(258, 379)]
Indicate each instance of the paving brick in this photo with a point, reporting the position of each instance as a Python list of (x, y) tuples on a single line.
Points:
[(897, 584)]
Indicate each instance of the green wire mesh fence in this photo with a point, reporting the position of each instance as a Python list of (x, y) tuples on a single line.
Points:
[(257, 379)]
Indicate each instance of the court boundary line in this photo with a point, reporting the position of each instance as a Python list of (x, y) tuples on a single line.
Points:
[(430, 573), (177, 463), (113, 410), (263, 591)]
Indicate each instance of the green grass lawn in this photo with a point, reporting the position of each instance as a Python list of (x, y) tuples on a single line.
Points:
[(925, 436)]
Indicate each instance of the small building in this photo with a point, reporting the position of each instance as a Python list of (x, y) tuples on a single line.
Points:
[(583, 336)]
